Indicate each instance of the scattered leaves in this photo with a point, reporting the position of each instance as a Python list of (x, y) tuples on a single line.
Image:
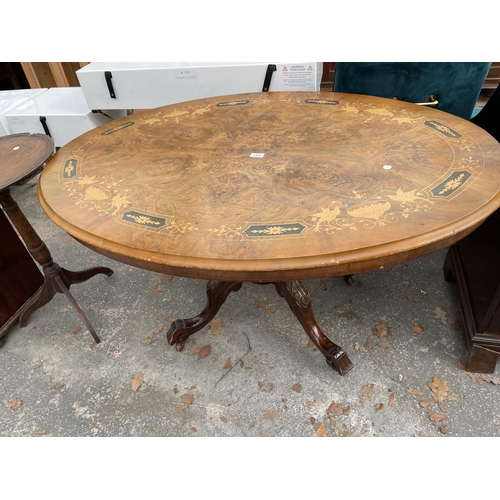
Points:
[(136, 381), (439, 389), (392, 399), (444, 429), (223, 418), (418, 329), (193, 350), (339, 429), (228, 364), (266, 386), (381, 330), (204, 351), (436, 417), (414, 298), (379, 406), (78, 329), (186, 400), (157, 288), (151, 336), (194, 429), (425, 403), (415, 392), (269, 415), (486, 378), (297, 387), (321, 431), (366, 393), (441, 314), (337, 410), (462, 367), (215, 326), (15, 403), (40, 432), (368, 347)]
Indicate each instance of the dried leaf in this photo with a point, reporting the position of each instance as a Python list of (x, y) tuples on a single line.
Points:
[(266, 386), (366, 393), (166, 279), (157, 288), (269, 415), (462, 367), (215, 326), (136, 381), (492, 380), (381, 330), (349, 315), (260, 304), (313, 420), (418, 329), (151, 337), (186, 400), (439, 388), (297, 387), (204, 351), (228, 364), (379, 406), (425, 403), (40, 432), (58, 385), (135, 323), (321, 431), (414, 298), (63, 310), (415, 392), (223, 418), (310, 344), (443, 408), (194, 349), (339, 429), (268, 312), (435, 417), (78, 329), (392, 399), (368, 347), (444, 429), (194, 429), (15, 403), (337, 410), (441, 314)]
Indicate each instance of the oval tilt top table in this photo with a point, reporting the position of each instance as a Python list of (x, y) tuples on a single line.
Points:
[(273, 188)]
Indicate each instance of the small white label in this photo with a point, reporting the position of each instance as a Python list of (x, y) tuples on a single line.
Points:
[(387, 167), (257, 155), (16, 148)]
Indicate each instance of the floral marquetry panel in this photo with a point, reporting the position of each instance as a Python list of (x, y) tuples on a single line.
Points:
[(274, 186)]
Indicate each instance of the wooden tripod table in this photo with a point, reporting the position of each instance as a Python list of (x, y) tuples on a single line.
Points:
[(273, 188), (22, 156)]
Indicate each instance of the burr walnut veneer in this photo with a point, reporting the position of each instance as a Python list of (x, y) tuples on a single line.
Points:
[(274, 188)]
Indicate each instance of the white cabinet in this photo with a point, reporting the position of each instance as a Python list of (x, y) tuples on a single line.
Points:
[(10, 99), (108, 85), (61, 112)]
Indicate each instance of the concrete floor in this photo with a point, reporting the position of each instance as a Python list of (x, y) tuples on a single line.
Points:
[(252, 371)]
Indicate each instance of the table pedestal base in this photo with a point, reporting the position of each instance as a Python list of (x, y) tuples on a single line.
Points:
[(297, 298), (56, 279)]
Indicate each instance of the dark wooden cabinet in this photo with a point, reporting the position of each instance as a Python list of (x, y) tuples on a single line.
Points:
[(475, 265), (20, 277)]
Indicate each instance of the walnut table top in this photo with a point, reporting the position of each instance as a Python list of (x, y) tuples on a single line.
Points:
[(274, 186)]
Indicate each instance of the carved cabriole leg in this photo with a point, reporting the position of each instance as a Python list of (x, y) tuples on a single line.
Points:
[(181, 329), (56, 279), (298, 299)]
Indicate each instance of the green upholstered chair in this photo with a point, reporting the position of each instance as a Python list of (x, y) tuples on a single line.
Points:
[(454, 85)]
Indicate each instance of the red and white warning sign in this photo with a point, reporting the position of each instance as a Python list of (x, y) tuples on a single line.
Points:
[(299, 76)]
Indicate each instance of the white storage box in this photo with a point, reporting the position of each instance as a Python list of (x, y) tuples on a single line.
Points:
[(10, 99), (61, 112), (108, 85)]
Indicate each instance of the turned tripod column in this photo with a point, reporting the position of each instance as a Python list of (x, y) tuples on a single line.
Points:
[(57, 279)]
